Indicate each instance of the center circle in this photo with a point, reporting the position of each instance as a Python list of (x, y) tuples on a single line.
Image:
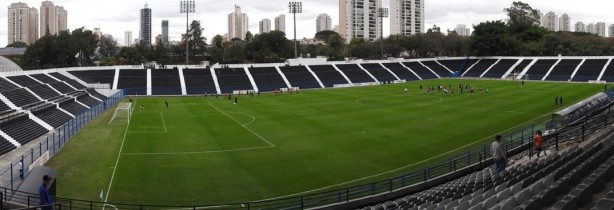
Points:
[(399, 100)]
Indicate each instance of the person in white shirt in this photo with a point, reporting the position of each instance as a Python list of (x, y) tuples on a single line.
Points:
[(498, 155)]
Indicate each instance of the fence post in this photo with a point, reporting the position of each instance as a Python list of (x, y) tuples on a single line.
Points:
[(302, 203), (11, 175), (583, 132), (347, 194), (556, 142)]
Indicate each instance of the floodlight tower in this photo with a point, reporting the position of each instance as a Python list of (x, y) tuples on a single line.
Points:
[(382, 13), (187, 7), (295, 7)]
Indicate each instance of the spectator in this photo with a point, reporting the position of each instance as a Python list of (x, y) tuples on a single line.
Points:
[(538, 140), (43, 194), (498, 155), (21, 169)]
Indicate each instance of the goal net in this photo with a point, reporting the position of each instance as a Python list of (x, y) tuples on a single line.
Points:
[(122, 114)]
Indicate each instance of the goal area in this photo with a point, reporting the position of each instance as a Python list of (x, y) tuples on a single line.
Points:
[(122, 114)]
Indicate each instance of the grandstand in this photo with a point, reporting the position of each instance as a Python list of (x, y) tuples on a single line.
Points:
[(576, 173)]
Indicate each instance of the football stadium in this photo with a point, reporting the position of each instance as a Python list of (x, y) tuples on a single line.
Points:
[(370, 134)]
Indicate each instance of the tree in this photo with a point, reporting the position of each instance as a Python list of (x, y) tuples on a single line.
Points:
[(521, 16), (130, 56), (108, 46), (323, 35), (197, 43), (18, 45), (491, 38), (249, 36)]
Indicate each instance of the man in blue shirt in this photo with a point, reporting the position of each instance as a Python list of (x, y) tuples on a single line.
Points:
[(45, 198)]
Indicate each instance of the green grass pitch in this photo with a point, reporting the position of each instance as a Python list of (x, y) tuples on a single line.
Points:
[(211, 151)]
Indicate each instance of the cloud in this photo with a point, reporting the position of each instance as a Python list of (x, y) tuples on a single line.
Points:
[(116, 16)]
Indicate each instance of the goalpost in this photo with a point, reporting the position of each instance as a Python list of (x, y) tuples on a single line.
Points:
[(122, 114)]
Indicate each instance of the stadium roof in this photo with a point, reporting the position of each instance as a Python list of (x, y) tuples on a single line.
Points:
[(7, 65)]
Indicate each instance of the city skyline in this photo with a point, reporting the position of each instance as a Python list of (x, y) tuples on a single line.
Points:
[(213, 14)]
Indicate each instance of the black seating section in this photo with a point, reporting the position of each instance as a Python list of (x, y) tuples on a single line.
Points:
[(231, 79), (134, 82), (3, 107), (458, 65), (422, 71), (52, 116), (499, 69), (62, 87), (20, 97), (5, 85), (479, 68), (74, 83), (96, 94), (539, 69), (267, 79), (5, 146), (608, 75), (563, 70), (590, 70), (199, 81), (43, 78), (401, 72), (299, 76), (93, 77), (24, 81), (88, 100), (378, 71), (16, 127), (73, 107), (165, 82), (43, 91), (355, 73), (328, 75), (438, 69), (522, 65)]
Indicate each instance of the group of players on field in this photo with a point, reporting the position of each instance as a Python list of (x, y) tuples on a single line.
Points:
[(462, 88)]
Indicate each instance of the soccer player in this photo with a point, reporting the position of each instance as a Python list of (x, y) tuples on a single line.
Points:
[(561, 100), (166, 103), (235, 100), (405, 90), (556, 100), (420, 88)]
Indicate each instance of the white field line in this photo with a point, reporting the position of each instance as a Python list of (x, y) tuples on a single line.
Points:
[(117, 162), (250, 130), (197, 153), (163, 123)]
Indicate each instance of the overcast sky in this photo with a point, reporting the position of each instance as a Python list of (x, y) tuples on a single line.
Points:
[(117, 16)]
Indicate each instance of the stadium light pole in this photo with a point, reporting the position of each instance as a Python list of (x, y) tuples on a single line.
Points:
[(382, 13), (295, 7), (187, 7)]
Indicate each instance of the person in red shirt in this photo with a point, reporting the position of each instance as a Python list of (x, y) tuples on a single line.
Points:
[(538, 141)]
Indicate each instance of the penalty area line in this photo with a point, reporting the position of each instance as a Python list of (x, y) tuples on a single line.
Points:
[(116, 162), (242, 125), (163, 123)]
